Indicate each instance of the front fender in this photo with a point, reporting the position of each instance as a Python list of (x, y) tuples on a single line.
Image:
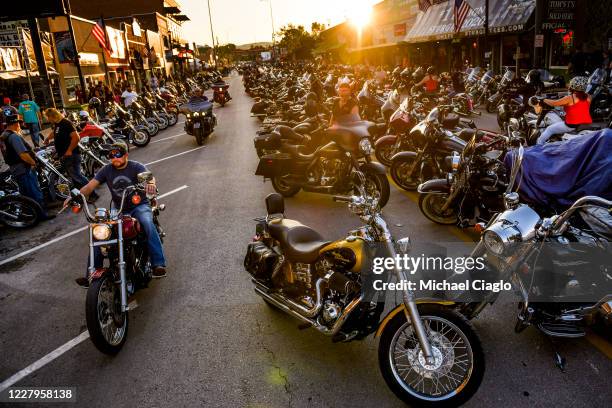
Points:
[(388, 139), (404, 156), (400, 308), (434, 186), (373, 167)]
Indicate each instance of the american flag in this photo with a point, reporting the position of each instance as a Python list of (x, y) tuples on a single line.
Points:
[(98, 32), (462, 8), (424, 5)]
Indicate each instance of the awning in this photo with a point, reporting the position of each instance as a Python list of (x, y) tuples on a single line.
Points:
[(372, 47), (504, 16)]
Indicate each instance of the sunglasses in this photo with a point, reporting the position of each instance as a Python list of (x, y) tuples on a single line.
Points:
[(115, 154)]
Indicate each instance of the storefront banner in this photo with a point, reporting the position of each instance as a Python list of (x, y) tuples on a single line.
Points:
[(89, 59), (117, 43), (9, 36), (9, 59), (65, 49), (559, 14)]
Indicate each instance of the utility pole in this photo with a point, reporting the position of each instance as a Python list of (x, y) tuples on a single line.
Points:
[(212, 34), (273, 40), (539, 15)]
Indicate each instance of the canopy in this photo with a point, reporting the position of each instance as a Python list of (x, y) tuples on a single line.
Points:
[(504, 16)]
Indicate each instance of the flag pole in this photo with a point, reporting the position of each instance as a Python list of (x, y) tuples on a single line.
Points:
[(104, 50)]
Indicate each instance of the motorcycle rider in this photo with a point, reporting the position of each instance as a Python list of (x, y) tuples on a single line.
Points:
[(576, 106), (18, 155), (430, 81), (345, 108), (118, 175)]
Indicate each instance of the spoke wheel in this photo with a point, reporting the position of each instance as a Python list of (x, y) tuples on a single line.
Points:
[(454, 373), (106, 323), (384, 152), (431, 207), (18, 211), (400, 171)]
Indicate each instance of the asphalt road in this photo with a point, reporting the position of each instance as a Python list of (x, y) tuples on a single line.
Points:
[(201, 337)]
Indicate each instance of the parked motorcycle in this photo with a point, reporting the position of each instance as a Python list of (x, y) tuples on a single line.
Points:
[(124, 244), (429, 355), (16, 210), (330, 168)]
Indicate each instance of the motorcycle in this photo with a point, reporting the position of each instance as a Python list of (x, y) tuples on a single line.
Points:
[(400, 122), (200, 121), (220, 93), (53, 183), (600, 91), (150, 107), (137, 112), (16, 210), (433, 142), (429, 355), (472, 191), (125, 246), (330, 168), (124, 128)]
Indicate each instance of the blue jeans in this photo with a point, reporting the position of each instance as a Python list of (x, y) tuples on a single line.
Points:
[(554, 129), (72, 165), (28, 186), (144, 215), (34, 129)]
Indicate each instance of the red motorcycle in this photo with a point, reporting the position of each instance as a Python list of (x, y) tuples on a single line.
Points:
[(220, 93)]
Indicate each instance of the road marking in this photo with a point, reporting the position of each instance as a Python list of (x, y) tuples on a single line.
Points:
[(76, 231), (174, 155), (50, 357), (166, 138)]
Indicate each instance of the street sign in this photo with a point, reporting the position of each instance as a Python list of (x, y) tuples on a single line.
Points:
[(539, 41)]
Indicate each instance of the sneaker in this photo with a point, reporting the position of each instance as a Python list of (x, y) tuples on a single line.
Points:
[(82, 282), (159, 272)]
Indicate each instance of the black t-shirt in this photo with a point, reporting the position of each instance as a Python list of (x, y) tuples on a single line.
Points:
[(118, 180), (346, 109), (62, 131)]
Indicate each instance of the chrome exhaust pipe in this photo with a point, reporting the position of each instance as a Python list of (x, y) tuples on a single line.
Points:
[(294, 306)]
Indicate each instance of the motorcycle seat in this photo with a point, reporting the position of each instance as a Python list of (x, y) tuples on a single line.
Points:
[(288, 133), (303, 128), (450, 121), (299, 242), (590, 126)]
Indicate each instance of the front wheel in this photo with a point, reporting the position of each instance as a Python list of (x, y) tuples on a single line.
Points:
[(106, 323), (152, 127), (458, 364), (402, 174), (384, 152), (19, 211), (162, 122), (199, 135), (377, 186), (431, 205), (141, 138), (172, 118)]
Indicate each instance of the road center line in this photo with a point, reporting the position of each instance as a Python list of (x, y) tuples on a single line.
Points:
[(174, 155), (50, 357), (166, 138), (69, 234)]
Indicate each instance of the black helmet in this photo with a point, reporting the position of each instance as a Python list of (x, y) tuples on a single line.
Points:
[(431, 70), (94, 102), (11, 118)]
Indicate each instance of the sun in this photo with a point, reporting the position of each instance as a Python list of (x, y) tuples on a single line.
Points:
[(359, 15)]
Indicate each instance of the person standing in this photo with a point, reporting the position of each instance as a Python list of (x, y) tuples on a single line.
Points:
[(30, 112), (66, 140), (128, 96), (18, 155)]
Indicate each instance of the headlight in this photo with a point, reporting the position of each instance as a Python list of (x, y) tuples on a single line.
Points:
[(493, 242), (196, 114), (365, 146), (501, 238), (101, 232)]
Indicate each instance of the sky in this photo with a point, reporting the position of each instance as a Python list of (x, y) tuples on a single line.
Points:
[(247, 21)]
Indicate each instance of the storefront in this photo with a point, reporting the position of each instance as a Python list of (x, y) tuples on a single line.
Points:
[(433, 40), (157, 63), (138, 53)]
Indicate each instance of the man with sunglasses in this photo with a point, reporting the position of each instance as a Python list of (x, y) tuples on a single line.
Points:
[(118, 175)]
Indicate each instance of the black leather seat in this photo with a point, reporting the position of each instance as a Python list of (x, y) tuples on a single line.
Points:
[(299, 242), (288, 133)]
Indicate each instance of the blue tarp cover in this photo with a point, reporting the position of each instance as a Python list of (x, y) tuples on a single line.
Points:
[(557, 174)]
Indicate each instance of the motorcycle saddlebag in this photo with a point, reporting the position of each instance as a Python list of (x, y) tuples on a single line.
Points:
[(260, 260), (277, 164), (268, 141)]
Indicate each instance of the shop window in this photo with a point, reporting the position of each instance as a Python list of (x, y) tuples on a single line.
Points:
[(562, 43)]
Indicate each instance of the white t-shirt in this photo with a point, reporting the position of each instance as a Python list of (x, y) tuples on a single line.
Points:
[(129, 97)]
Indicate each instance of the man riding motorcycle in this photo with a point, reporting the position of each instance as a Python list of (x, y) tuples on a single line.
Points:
[(118, 175), (576, 106)]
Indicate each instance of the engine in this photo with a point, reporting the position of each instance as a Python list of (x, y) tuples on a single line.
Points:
[(328, 171)]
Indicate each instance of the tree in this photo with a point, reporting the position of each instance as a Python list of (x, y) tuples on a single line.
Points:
[(298, 42)]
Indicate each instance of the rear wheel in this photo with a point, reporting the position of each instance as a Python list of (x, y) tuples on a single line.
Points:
[(400, 170), (431, 206), (18, 211), (106, 323), (282, 186), (457, 367)]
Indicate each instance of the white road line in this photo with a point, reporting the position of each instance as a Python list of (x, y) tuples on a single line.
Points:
[(166, 138), (76, 231), (50, 357), (174, 155)]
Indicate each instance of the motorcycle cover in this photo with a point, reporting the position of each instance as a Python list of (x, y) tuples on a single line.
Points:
[(557, 174)]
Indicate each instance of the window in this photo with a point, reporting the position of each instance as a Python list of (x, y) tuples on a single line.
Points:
[(561, 46)]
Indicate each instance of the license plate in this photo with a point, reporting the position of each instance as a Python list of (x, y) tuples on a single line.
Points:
[(196, 125)]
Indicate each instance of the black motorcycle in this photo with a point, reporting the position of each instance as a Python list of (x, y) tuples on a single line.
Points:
[(329, 169), (472, 191), (200, 120), (16, 210), (434, 142)]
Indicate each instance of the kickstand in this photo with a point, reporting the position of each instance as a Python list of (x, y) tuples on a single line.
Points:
[(560, 361)]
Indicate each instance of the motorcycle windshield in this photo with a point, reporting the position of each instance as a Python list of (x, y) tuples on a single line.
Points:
[(197, 106), (487, 77), (433, 115), (597, 77)]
